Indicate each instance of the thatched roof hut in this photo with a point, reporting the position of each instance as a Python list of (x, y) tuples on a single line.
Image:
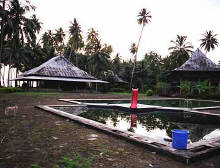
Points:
[(198, 62), (197, 67), (58, 70), (119, 80)]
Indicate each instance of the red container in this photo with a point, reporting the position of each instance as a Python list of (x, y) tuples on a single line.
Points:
[(134, 98)]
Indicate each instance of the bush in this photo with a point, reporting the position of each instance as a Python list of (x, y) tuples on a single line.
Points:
[(149, 92), (162, 88), (184, 88), (10, 89), (203, 88)]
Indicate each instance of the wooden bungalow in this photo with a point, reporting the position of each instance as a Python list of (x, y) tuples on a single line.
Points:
[(58, 73), (197, 68)]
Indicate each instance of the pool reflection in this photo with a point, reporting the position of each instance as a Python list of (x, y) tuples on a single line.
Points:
[(157, 125)]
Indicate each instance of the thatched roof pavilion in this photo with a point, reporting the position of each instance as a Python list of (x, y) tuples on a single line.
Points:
[(197, 67), (119, 80), (58, 70)]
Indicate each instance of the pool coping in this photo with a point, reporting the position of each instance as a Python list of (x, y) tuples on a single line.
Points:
[(194, 152)]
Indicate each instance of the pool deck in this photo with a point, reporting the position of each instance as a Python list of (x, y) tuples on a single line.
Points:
[(195, 151)]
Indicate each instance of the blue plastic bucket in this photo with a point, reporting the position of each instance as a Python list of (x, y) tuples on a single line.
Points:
[(179, 139)]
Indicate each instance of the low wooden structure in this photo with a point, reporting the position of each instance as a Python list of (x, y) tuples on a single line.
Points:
[(58, 73)]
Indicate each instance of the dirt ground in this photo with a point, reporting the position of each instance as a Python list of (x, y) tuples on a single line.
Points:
[(37, 137)]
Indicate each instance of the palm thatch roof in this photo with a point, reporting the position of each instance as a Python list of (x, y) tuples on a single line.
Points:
[(58, 68), (119, 80), (198, 62)]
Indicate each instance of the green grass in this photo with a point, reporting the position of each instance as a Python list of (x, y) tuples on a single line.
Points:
[(120, 93), (77, 162), (37, 93), (36, 166), (9, 89)]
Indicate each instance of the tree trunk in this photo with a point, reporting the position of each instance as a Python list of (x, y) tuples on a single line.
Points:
[(135, 56), (1, 40), (3, 76), (9, 70), (139, 43), (132, 76), (71, 50)]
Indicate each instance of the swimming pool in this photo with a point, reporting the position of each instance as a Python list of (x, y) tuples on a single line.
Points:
[(157, 125), (151, 125)]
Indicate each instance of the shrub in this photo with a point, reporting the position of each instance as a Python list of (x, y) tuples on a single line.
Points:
[(203, 88), (184, 88), (149, 92), (162, 88), (77, 162)]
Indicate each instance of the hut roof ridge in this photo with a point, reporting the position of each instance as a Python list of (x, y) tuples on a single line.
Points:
[(198, 62), (58, 66)]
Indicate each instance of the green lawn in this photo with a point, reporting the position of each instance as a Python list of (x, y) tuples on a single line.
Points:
[(38, 93)]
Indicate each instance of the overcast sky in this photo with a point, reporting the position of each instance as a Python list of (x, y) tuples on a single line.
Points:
[(116, 21)]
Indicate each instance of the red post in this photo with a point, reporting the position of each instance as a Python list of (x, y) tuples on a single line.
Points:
[(134, 98)]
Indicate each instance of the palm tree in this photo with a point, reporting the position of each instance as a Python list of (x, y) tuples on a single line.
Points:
[(59, 40), (31, 26), (116, 64), (180, 51), (76, 41), (3, 16), (144, 17), (181, 45), (47, 39), (18, 30), (98, 54), (209, 41)]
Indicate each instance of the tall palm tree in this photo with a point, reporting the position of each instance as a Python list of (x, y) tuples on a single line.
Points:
[(19, 29), (31, 27), (59, 36), (209, 41), (144, 18), (76, 41), (99, 54), (3, 15)]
